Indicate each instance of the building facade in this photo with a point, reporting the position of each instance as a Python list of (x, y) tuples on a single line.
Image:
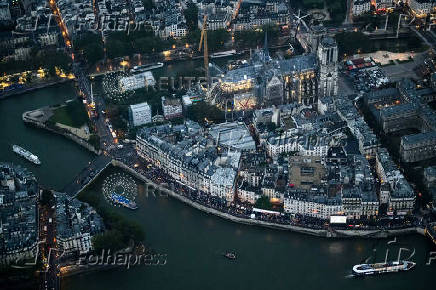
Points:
[(361, 7), (328, 67), (139, 114)]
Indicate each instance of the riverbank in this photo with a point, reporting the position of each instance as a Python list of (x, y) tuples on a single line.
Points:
[(34, 88), (330, 233), (75, 267)]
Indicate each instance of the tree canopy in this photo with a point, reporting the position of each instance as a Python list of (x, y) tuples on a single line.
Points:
[(252, 38), (201, 110), (191, 16), (91, 45), (38, 59), (121, 44)]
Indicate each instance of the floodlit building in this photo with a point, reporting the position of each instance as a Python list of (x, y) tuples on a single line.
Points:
[(283, 81), (218, 20), (191, 157), (139, 114), (254, 14), (137, 81), (383, 4), (361, 6), (328, 67), (421, 8), (311, 204)]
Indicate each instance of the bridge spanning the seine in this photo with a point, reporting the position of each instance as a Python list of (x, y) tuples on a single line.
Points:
[(87, 175)]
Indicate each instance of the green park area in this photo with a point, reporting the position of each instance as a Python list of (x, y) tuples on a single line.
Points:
[(255, 38), (72, 114), (201, 111)]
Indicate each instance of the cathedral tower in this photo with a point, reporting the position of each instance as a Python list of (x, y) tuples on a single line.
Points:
[(328, 67)]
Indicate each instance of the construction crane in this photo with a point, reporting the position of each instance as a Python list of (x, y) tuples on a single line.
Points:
[(203, 42), (300, 20)]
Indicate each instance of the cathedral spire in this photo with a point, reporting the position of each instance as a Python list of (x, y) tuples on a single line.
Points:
[(265, 47)]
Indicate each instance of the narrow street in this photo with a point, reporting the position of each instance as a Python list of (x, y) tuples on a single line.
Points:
[(49, 275)]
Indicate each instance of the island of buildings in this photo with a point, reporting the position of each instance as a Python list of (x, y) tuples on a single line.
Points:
[(20, 219), (294, 151), (306, 148), (297, 149), (18, 214)]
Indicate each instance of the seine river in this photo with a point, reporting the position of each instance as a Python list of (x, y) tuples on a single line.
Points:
[(194, 241), (61, 158), (267, 259)]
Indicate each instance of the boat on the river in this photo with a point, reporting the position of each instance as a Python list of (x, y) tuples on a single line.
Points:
[(26, 154), (381, 268), (223, 53), (230, 255), (146, 67), (121, 200)]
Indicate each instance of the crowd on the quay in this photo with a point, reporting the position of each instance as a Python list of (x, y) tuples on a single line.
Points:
[(245, 210)]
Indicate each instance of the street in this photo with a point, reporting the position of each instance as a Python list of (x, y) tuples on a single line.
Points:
[(49, 275)]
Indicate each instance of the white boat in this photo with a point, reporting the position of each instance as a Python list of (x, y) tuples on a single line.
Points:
[(26, 154), (381, 268), (230, 255), (146, 67), (223, 53)]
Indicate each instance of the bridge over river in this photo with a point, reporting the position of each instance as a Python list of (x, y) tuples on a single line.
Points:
[(87, 175)]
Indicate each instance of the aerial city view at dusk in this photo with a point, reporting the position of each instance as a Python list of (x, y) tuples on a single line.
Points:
[(217, 144)]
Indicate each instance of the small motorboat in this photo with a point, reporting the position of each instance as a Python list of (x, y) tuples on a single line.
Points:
[(230, 255)]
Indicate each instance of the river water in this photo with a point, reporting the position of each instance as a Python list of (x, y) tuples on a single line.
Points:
[(194, 241), (267, 259), (61, 158)]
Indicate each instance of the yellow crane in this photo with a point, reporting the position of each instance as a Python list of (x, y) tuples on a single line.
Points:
[(203, 42)]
